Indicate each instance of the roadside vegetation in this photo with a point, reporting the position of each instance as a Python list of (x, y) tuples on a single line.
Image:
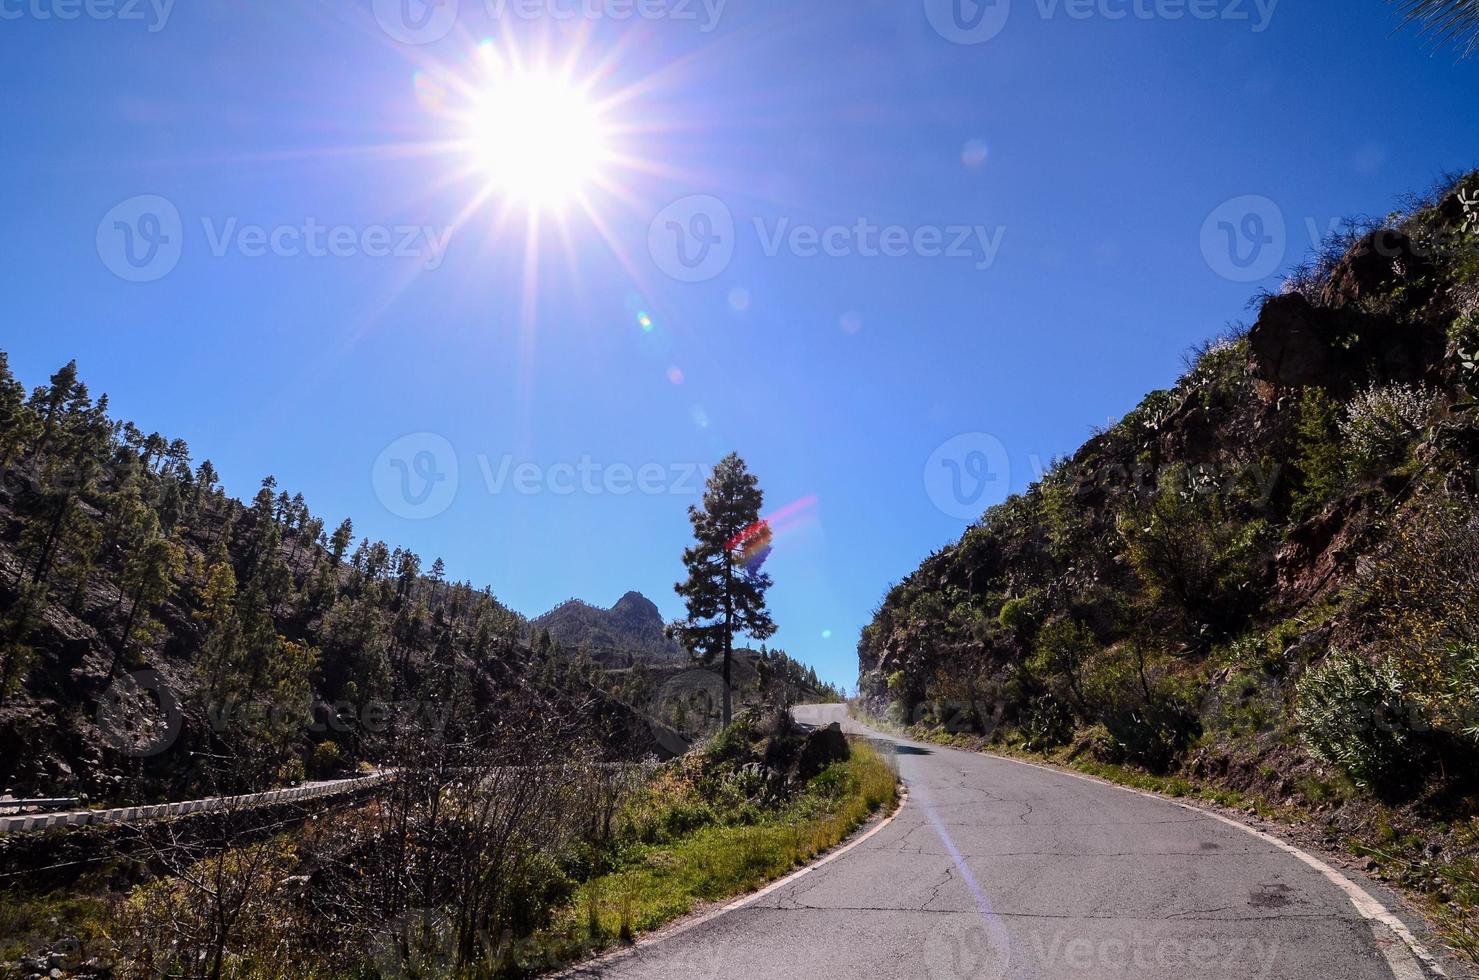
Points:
[(1261, 586), (511, 867)]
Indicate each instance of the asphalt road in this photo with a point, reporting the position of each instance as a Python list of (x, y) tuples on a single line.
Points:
[(995, 869)]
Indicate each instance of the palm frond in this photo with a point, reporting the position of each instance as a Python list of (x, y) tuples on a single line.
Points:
[(1447, 22)]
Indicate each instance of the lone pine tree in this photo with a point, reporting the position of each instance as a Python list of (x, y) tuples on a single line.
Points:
[(725, 588)]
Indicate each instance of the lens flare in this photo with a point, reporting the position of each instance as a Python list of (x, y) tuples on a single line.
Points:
[(753, 545)]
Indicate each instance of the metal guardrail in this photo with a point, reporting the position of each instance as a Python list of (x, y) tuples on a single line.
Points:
[(138, 814)]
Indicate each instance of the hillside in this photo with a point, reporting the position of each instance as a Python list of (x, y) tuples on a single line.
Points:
[(639, 665), (629, 632), (157, 635), (1265, 578)]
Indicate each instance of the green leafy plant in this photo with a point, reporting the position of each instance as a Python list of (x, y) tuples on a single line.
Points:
[(1358, 716), (1319, 455)]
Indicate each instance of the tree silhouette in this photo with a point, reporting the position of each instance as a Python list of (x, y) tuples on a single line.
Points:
[(725, 588), (1454, 22)]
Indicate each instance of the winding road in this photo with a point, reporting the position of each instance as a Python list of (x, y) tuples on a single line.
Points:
[(996, 869)]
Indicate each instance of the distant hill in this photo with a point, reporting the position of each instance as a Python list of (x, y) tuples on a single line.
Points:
[(148, 621), (644, 668), (628, 633)]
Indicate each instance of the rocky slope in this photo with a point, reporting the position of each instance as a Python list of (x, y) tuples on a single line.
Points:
[(1265, 577)]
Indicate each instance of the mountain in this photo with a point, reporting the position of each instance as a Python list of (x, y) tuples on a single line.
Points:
[(152, 627), (640, 666), (1266, 576), (628, 633)]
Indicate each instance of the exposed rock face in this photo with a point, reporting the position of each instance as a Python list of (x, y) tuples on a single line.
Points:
[(1347, 336), (1379, 263), (1291, 343), (1316, 554), (1295, 344)]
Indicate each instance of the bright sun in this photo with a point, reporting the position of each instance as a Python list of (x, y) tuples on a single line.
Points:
[(536, 136)]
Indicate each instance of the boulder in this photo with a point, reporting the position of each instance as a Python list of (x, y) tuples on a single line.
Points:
[(1295, 343), (821, 748), (1376, 265), (1291, 344)]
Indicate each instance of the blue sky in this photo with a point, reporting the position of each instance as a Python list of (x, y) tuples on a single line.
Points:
[(1082, 162)]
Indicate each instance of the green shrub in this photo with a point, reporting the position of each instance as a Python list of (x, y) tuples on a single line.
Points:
[(1020, 616), (1358, 717), (1151, 736), (1191, 551), (1046, 724), (327, 760), (1319, 454), (1063, 647), (1150, 713), (1382, 422), (1098, 744)]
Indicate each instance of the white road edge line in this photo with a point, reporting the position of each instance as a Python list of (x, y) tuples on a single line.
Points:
[(1402, 953), (694, 921)]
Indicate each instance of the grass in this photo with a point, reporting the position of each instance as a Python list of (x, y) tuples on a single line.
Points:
[(1448, 890), (31, 922), (653, 884), (1177, 787)]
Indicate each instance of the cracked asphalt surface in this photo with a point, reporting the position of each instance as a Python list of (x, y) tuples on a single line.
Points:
[(994, 869)]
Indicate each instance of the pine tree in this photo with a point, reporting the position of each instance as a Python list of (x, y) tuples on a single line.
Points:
[(16, 421), (725, 588), (16, 656), (342, 539), (153, 563), (48, 403), (220, 655), (1453, 22)]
